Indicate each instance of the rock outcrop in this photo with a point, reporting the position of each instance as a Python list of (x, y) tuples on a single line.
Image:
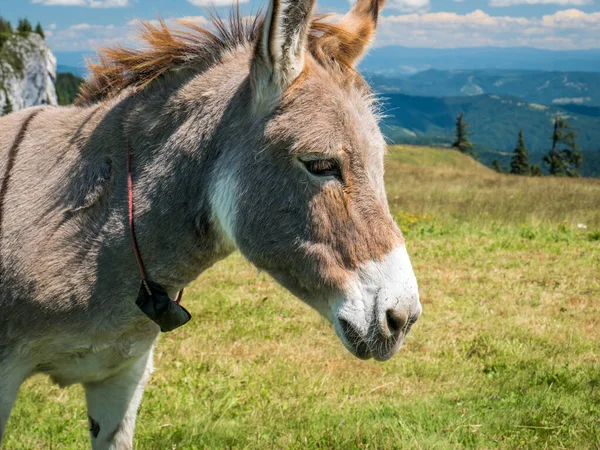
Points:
[(27, 72)]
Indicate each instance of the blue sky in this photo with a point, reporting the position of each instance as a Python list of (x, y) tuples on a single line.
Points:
[(81, 25)]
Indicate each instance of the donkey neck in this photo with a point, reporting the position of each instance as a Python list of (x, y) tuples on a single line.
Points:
[(176, 134)]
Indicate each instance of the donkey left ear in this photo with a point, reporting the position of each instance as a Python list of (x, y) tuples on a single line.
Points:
[(279, 55), (349, 39)]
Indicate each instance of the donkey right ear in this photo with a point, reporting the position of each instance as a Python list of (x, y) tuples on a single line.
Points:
[(279, 54), (349, 39)]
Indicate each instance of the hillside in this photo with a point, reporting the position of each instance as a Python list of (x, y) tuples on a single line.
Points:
[(494, 122), (446, 183), (434, 157)]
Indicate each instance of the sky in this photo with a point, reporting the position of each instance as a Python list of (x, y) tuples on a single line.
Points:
[(83, 25)]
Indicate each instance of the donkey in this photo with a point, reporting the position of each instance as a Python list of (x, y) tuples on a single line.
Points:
[(257, 135)]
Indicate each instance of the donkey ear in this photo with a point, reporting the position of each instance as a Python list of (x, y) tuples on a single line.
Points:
[(349, 39), (279, 55)]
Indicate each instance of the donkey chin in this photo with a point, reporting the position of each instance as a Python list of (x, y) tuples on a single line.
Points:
[(378, 308)]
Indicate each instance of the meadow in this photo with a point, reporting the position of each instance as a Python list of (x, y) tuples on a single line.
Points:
[(506, 353)]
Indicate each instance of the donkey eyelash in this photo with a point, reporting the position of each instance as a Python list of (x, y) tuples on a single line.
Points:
[(324, 168)]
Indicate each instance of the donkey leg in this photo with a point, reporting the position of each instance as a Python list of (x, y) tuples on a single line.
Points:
[(11, 379), (113, 404)]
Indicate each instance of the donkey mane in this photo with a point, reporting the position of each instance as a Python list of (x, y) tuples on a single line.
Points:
[(195, 47)]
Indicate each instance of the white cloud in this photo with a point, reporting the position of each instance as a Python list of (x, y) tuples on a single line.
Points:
[(86, 37), (572, 18), (501, 3), (571, 101), (80, 26), (407, 5), (566, 29), (87, 3), (205, 3), (196, 20), (477, 18), (89, 37), (479, 29)]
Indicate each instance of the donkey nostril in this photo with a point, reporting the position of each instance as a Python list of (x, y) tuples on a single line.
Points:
[(396, 321)]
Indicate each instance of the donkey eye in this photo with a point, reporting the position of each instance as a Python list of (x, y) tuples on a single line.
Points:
[(324, 168)]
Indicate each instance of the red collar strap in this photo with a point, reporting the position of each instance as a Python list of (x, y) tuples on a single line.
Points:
[(136, 249), (152, 299)]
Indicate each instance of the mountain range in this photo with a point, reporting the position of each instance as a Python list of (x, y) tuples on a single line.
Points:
[(548, 88), (395, 60), (422, 109)]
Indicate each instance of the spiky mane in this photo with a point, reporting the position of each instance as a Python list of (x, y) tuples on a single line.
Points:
[(190, 46)]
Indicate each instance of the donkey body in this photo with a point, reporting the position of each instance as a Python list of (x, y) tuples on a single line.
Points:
[(265, 142)]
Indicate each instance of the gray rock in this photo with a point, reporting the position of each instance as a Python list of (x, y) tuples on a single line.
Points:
[(27, 72)]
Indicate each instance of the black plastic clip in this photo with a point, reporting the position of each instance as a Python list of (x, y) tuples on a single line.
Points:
[(154, 301)]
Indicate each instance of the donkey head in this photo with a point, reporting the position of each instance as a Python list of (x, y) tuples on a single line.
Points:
[(306, 200)]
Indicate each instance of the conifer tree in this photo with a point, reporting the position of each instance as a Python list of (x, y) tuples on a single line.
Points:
[(39, 30), (519, 164), (564, 157), (24, 27), (463, 143), (535, 171), (5, 26), (496, 166), (8, 107)]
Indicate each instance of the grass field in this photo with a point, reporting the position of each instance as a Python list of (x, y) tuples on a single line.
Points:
[(505, 355)]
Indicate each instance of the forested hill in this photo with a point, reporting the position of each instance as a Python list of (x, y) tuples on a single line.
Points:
[(67, 87), (494, 123), (494, 120)]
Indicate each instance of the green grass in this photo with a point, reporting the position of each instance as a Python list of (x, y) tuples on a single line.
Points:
[(434, 157), (504, 356)]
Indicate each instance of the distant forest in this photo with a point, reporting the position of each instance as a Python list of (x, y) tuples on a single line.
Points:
[(67, 87)]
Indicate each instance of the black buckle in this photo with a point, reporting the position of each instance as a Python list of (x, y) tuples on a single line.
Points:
[(154, 301)]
